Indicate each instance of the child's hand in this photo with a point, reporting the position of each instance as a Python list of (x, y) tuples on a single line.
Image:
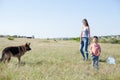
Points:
[(98, 54), (91, 52), (91, 55), (89, 42)]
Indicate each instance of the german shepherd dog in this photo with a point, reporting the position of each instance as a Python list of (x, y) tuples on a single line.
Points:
[(14, 51)]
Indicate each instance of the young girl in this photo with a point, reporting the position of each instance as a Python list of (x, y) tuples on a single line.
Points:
[(95, 51), (85, 37)]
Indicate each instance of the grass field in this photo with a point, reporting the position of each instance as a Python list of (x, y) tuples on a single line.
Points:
[(61, 60)]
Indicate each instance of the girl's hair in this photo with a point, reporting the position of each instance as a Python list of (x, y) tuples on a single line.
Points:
[(95, 37), (86, 22)]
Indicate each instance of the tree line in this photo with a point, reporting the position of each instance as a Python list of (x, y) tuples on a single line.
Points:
[(17, 36)]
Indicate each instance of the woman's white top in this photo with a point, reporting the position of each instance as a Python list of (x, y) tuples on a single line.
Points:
[(85, 32)]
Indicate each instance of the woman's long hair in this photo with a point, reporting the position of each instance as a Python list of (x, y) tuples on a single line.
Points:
[(86, 22)]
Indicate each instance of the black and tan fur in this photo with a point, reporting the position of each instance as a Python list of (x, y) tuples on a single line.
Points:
[(14, 51)]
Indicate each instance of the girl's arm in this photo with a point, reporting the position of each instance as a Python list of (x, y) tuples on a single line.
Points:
[(99, 51), (90, 49)]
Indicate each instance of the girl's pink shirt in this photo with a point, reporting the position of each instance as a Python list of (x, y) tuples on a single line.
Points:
[(95, 49)]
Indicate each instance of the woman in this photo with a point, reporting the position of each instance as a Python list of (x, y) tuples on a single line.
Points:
[(84, 38)]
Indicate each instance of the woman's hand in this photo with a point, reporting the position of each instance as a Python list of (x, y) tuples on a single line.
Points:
[(89, 41)]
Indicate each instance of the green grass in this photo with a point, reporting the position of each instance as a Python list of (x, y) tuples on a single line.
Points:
[(61, 60)]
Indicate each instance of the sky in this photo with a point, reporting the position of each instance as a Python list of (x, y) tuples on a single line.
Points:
[(59, 18)]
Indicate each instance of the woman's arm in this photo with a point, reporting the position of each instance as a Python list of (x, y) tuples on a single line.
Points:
[(89, 34), (81, 33)]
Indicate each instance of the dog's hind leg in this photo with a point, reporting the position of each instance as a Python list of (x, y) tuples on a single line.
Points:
[(3, 59), (8, 60)]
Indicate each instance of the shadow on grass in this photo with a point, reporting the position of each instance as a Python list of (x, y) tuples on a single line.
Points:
[(118, 62), (42, 62), (102, 60)]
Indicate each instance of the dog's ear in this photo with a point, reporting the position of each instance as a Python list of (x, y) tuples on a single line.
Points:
[(28, 43)]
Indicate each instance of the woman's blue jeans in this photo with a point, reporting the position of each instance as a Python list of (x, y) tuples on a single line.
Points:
[(84, 44)]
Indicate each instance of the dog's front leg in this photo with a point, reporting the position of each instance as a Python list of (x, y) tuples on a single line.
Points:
[(19, 60)]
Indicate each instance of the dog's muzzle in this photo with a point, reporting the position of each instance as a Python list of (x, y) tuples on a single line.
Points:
[(28, 49)]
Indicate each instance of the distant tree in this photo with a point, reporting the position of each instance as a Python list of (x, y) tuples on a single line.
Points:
[(15, 36), (48, 39), (33, 36), (2, 36)]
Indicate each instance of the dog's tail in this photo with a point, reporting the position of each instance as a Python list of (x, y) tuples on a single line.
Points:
[(1, 58)]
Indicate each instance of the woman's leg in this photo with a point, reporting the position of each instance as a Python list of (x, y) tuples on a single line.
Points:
[(86, 47), (81, 48)]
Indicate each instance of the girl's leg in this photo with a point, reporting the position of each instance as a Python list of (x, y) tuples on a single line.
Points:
[(86, 47), (81, 49), (93, 61), (97, 60)]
